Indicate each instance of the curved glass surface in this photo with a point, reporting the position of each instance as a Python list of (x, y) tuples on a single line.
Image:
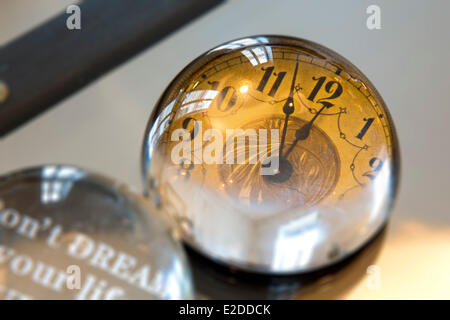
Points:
[(272, 154), (69, 234)]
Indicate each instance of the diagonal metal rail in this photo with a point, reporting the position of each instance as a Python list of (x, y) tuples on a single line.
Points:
[(49, 63)]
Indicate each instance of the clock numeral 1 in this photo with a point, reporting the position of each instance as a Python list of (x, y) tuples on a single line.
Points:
[(267, 74), (365, 128)]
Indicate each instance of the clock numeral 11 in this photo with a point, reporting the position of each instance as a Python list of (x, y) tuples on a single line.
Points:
[(267, 74)]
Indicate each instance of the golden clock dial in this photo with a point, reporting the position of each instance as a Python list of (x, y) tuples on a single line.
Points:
[(267, 136), (306, 174)]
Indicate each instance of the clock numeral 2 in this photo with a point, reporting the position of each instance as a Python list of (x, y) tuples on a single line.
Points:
[(376, 164), (267, 74)]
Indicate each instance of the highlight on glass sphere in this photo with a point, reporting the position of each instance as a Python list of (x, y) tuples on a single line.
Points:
[(272, 154)]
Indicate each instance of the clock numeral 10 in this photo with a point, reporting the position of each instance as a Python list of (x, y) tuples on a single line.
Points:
[(267, 74), (223, 94)]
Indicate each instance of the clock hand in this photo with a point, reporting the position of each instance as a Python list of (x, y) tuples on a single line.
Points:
[(303, 132), (288, 108), (285, 168)]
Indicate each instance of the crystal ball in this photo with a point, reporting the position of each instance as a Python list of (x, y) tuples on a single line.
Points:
[(66, 233), (272, 154)]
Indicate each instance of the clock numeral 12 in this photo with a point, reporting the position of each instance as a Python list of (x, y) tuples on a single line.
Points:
[(328, 88)]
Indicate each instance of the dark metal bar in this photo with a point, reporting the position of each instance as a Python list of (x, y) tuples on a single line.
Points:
[(51, 62)]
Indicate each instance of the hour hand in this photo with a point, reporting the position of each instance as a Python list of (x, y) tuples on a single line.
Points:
[(289, 107)]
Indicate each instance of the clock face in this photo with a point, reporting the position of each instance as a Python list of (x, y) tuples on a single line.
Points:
[(272, 139)]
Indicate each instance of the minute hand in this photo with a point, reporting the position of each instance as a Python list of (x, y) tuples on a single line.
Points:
[(303, 132), (288, 108)]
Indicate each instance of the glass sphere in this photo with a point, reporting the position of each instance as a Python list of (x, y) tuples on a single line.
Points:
[(69, 234), (272, 154)]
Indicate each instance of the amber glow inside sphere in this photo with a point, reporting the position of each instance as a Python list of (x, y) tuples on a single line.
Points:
[(272, 154)]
